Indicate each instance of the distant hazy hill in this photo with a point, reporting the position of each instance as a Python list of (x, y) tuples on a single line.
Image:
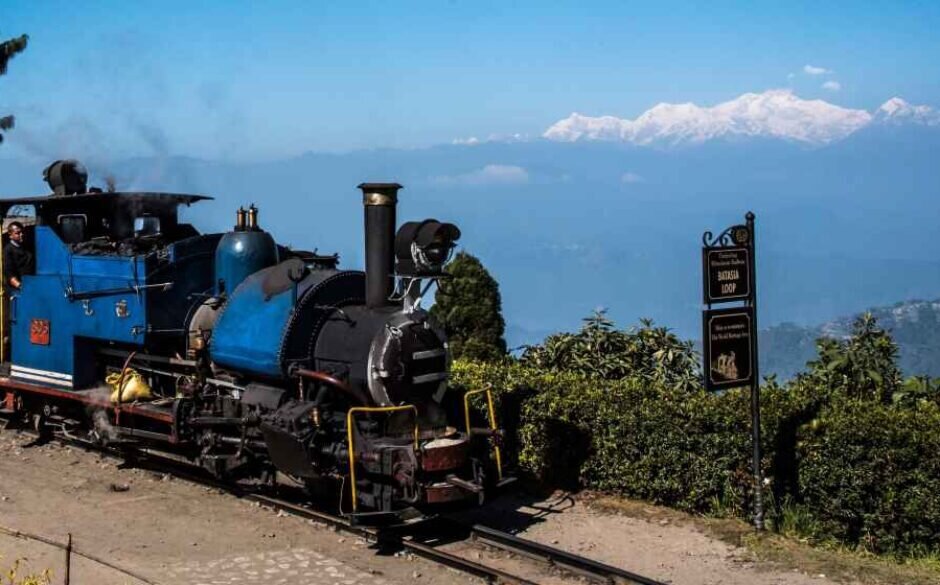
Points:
[(914, 325), (582, 220)]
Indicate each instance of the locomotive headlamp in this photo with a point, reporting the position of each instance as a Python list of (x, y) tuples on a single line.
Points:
[(423, 247)]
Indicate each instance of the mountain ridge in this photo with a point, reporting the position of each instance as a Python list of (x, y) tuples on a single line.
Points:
[(776, 113), (914, 325)]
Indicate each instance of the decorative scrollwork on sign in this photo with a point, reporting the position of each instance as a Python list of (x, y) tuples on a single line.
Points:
[(723, 239), (736, 235)]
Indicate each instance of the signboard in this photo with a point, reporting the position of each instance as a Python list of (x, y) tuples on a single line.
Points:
[(727, 273), (729, 336), (728, 347)]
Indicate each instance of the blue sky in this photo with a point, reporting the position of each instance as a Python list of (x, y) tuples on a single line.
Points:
[(242, 80)]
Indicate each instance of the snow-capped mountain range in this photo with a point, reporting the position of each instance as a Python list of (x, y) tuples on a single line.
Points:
[(776, 113)]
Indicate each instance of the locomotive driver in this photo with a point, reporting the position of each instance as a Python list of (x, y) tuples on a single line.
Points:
[(17, 260)]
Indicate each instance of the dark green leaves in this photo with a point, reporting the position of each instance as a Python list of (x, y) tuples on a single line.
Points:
[(602, 351), (469, 308), (865, 365)]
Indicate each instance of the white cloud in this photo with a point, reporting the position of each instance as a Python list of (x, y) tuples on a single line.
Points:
[(790, 76), (473, 140), (832, 86), (516, 137), (813, 70), (630, 177), (488, 175)]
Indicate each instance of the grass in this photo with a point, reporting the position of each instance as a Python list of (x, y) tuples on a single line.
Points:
[(788, 546)]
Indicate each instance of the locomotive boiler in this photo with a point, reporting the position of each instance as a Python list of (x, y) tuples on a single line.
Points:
[(251, 359)]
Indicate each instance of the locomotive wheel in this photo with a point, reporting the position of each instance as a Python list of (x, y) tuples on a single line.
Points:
[(38, 422)]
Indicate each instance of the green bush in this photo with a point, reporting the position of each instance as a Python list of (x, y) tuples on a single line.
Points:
[(870, 475), (600, 350), (857, 470), (863, 366), (684, 449)]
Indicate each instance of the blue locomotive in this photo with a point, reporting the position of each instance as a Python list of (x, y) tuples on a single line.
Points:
[(249, 358)]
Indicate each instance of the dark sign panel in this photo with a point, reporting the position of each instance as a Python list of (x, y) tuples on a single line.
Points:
[(727, 273), (728, 348)]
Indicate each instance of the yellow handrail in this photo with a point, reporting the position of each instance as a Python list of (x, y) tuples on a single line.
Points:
[(492, 412), (352, 446)]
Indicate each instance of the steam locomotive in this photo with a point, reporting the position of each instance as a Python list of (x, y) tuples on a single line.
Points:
[(248, 358)]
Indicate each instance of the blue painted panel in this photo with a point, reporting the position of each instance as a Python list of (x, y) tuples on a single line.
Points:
[(130, 268), (189, 266), (52, 257), (41, 298), (249, 331), (44, 296)]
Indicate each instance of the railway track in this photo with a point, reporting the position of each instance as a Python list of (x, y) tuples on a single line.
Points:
[(547, 556)]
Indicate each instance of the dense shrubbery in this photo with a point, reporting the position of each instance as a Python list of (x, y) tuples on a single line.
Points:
[(847, 444), (869, 474), (601, 351)]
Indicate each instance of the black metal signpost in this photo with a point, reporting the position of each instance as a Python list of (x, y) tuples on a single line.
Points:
[(729, 335)]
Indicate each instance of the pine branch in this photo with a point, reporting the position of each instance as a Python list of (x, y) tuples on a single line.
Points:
[(6, 123), (10, 48)]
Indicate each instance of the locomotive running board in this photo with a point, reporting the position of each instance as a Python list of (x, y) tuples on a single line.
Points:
[(84, 397)]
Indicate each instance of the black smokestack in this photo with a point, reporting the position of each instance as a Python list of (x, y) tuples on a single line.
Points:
[(379, 200)]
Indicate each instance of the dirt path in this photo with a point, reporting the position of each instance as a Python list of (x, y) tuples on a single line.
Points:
[(172, 531), (676, 553)]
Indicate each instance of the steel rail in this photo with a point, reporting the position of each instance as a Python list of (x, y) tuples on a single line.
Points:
[(490, 574), (485, 535), (557, 557), (185, 471)]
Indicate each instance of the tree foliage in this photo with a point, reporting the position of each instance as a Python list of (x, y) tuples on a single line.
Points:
[(601, 350), (8, 49), (863, 366), (469, 308)]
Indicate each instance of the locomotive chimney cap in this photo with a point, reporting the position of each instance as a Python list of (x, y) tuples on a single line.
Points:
[(379, 193)]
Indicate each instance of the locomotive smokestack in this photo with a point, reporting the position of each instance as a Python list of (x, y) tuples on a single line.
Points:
[(379, 200)]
